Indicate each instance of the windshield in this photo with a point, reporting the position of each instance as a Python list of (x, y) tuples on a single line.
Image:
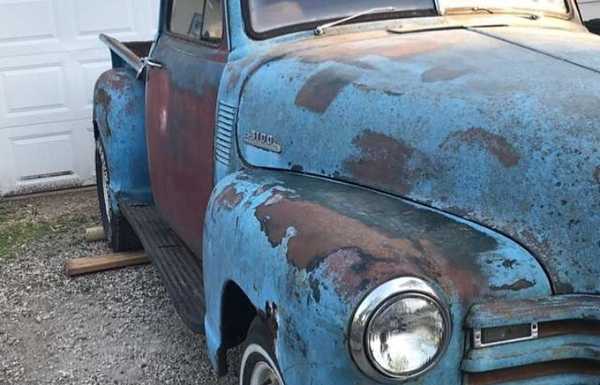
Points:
[(267, 17), (273, 15)]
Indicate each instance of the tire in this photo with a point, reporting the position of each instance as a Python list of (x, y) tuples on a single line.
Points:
[(259, 364), (119, 234)]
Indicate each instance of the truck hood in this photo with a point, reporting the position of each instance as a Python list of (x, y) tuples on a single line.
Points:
[(497, 125)]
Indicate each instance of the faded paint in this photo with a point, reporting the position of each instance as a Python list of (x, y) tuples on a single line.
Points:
[(492, 145), (181, 109)]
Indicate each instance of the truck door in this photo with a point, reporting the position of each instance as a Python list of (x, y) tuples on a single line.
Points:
[(183, 81)]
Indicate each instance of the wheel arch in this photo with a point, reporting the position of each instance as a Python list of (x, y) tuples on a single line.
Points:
[(237, 314)]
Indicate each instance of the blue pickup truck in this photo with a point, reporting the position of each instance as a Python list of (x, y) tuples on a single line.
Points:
[(366, 192)]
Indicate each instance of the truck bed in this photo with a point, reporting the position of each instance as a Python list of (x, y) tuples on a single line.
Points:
[(127, 54)]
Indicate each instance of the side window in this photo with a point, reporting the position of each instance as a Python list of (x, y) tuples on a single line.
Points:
[(197, 19), (213, 21)]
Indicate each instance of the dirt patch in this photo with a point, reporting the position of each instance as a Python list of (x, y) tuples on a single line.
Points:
[(112, 328)]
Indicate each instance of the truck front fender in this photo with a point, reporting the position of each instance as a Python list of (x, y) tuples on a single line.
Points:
[(305, 251)]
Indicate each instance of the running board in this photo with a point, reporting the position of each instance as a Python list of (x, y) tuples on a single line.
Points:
[(179, 268)]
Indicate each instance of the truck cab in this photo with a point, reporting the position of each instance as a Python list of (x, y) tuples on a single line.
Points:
[(359, 192)]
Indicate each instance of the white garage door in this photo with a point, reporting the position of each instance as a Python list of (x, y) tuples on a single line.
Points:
[(590, 9), (50, 58)]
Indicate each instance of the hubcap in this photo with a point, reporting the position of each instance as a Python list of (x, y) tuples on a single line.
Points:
[(264, 375), (105, 183)]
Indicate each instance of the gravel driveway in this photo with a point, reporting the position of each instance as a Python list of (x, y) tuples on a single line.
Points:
[(110, 328)]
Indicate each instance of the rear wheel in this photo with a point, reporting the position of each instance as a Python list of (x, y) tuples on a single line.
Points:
[(119, 234), (259, 365)]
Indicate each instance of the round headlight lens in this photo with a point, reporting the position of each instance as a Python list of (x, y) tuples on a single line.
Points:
[(406, 335)]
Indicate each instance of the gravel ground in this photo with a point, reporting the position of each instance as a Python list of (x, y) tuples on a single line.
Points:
[(117, 327)]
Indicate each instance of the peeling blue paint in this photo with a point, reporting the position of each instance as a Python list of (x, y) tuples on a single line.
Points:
[(316, 302), (119, 117)]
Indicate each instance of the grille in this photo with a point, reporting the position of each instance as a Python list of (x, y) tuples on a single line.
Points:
[(549, 369), (226, 118), (550, 341)]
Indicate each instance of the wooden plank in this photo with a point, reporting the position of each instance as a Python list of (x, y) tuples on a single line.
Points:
[(88, 265), (95, 234)]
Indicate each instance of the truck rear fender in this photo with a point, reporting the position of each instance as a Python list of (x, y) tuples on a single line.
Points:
[(119, 126)]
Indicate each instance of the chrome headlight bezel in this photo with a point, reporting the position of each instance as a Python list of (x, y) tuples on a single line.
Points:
[(379, 298)]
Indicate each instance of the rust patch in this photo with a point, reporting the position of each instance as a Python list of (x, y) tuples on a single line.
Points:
[(331, 235), (359, 255), (443, 73), (597, 174), (570, 327), (321, 89), (495, 144), (230, 198), (102, 97), (535, 371), (387, 162), (115, 80), (521, 284)]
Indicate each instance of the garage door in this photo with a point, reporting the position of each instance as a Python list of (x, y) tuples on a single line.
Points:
[(590, 9), (50, 58)]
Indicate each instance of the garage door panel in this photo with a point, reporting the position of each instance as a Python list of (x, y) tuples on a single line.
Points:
[(35, 90), (58, 161), (26, 20), (50, 59), (7, 166), (54, 156), (106, 16)]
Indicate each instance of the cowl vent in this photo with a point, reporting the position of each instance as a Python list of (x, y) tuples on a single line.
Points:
[(226, 117)]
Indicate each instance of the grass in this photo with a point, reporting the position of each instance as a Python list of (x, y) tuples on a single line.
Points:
[(17, 234), (15, 231), (23, 222)]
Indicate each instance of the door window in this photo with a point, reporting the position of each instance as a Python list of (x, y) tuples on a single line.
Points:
[(213, 21), (197, 19)]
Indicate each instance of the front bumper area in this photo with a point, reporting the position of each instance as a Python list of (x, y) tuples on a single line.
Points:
[(565, 348)]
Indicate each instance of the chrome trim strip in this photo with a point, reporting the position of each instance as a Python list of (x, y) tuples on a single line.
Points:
[(478, 341)]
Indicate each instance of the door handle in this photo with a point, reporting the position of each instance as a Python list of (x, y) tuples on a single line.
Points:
[(148, 63), (152, 63)]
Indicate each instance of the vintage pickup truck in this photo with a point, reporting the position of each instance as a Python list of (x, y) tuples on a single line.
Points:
[(366, 192)]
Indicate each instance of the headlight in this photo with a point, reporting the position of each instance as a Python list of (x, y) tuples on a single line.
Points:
[(399, 331)]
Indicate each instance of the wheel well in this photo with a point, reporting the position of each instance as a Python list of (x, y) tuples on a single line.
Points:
[(238, 312)]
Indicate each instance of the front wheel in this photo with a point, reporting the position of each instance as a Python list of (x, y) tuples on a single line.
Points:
[(119, 234), (259, 365)]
